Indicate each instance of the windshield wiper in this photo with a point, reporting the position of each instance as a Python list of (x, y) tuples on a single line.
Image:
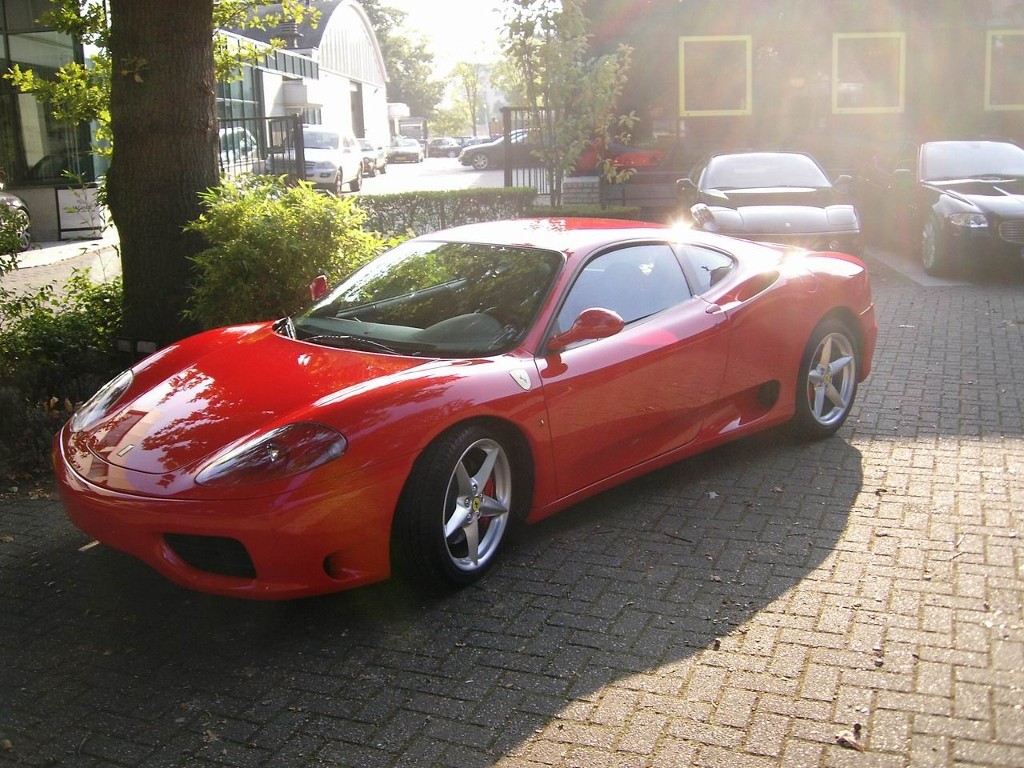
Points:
[(354, 342), (286, 327)]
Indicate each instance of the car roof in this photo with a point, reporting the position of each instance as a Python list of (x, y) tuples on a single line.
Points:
[(566, 235)]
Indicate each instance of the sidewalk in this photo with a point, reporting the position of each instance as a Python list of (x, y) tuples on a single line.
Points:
[(51, 262)]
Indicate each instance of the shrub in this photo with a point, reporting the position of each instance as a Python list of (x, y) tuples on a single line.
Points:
[(268, 240), (55, 351), (422, 212), (10, 243)]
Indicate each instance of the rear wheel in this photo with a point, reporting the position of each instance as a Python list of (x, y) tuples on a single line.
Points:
[(356, 184), (480, 161), (456, 507), (827, 383)]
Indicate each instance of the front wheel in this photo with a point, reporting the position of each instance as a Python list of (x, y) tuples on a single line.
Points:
[(23, 226), (934, 255), (456, 508), (827, 383)]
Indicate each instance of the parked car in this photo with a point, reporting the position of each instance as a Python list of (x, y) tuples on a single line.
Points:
[(492, 154), (334, 159), (960, 202), (443, 147), (781, 197), (19, 217), (239, 151), (405, 151), (461, 384), (523, 148), (375, 157), (621, 156)]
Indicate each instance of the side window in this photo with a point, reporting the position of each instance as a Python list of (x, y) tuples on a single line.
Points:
[(634, 282), (709, 266)]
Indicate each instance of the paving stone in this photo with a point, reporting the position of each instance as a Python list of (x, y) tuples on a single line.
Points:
[(741, 608)]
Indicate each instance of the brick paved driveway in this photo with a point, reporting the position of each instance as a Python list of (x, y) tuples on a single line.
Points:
[(740, 609)]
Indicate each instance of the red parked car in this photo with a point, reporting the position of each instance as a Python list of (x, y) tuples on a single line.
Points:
[(463, 383)]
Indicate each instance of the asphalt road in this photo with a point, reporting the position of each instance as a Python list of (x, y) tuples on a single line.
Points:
[(434, 173)]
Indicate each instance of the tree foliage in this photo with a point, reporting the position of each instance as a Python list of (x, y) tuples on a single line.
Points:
[(152, 95), (409, 64), (77, 94), (572, 94)]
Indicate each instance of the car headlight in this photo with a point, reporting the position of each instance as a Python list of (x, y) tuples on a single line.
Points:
[(325, 165), (704, 216), (280, 453), (97, 406), (970, 220)]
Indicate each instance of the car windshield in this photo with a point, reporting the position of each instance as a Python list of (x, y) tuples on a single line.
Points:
[(762, 169), (435, 298), (320, 139), (945, 160)]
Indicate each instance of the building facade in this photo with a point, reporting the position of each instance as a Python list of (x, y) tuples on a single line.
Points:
[(839, 78), (332, 74)]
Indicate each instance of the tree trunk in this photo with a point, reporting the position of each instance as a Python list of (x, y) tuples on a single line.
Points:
[(164, 124)]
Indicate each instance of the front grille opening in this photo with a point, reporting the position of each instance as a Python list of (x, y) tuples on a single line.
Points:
[(1012, 231), (213, 554), (768, 394)]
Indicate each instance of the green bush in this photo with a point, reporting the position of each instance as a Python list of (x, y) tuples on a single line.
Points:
[(422, 212), (56, 349), (268, 240), (10, 243)]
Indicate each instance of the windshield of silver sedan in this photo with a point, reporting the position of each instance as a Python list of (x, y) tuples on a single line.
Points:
[(438, 299)]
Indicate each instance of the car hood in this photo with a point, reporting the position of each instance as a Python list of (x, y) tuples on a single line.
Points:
[(185, 411), (1005, 198), (786, 219)]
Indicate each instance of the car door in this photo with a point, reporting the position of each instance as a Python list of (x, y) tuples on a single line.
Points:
[(617, 402)]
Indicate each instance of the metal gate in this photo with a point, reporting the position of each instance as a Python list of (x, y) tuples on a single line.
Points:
[(525, 130), (271, 145)]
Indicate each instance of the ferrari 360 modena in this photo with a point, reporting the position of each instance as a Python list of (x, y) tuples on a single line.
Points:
[(463, 383)]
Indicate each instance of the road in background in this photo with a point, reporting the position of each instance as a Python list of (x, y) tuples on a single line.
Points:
[(434, 173)]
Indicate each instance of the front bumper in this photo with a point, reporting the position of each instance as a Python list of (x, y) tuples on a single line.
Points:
[(313, 539)]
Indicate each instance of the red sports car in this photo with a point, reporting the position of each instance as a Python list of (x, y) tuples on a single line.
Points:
[(463, 383)]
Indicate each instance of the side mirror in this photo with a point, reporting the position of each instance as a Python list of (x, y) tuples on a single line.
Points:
[(318, 288), (685, 186), (594, 323)]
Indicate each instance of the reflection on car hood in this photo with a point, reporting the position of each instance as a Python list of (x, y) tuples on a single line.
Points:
[(788, 219), (251, 383), (1003, 198)]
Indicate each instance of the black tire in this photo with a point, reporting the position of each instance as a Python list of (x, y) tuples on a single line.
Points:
[(480, 161), (357, 183), (827, 380), (934, 253), (384, 168), (24, 225), (456, 509)]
